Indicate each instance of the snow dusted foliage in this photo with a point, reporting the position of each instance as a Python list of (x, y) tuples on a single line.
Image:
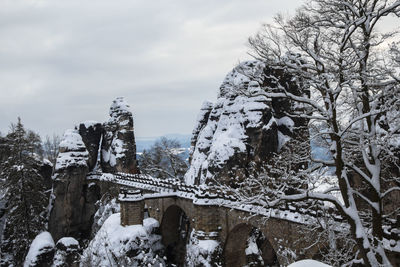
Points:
[(73, 151), (118, 151), (24, 214), (163, 160), (203, 252), (116, 245), (243, 126), (41, 251), (105, 210), (336, 49), (253, 252)]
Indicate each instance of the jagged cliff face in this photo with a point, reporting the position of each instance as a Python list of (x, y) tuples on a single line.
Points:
[(118, 149), (244, 127)]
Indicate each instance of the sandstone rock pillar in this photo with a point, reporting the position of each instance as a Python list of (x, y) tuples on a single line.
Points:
[(68, 182), (118, 148)]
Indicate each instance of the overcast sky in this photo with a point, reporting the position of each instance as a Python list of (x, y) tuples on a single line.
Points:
[(62, 62)]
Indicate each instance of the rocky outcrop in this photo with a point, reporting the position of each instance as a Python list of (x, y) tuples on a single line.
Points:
[(244, 127), (73, 198), (201, 121), (91, 131), (41, 251), (69, 181), (118, 149), (67, 253)]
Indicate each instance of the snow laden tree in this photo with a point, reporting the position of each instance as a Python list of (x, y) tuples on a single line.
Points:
[(25, 195), (163, 160), (335, 50), (51, 147)]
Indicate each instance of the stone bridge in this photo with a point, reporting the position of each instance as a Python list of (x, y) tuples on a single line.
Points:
[(212, 215)]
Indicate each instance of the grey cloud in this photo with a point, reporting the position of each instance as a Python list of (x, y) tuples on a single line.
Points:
[(62, 62)]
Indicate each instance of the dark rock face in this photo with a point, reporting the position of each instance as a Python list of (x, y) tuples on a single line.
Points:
[(118, 149), (46, 170), (90, 132), (91, 194), (244, 127), (69, 180)]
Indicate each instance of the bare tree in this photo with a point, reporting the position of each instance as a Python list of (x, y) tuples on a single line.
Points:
[(163, 160), (334, 49), (50, 147)]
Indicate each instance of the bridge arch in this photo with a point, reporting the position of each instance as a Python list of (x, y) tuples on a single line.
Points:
[(247, 244), (175, 229)]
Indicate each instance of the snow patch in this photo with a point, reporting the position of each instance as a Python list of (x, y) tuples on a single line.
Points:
[(308, 263), (42, 243)]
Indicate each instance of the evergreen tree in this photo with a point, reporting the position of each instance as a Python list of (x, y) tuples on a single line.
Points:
[(25, 195)]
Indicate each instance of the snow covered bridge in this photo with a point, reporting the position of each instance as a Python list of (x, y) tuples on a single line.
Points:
[(213, 220)]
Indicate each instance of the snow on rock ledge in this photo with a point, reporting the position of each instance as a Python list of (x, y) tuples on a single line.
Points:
[(73, 151)]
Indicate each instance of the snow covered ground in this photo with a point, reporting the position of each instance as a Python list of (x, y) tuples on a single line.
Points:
[(308, 263)]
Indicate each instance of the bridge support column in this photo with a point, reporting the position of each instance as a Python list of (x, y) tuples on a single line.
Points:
[(205, 244), (132, 207)]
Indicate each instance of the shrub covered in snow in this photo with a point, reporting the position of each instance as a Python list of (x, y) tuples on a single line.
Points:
[(116, 245), (205, 253), (67, 253), (105, 210), (41, 251)]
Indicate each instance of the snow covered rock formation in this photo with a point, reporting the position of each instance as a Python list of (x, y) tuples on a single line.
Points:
[(116, 245), (41, 251), (118, 149), (73, 197), (68, 183), (244, 127)]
